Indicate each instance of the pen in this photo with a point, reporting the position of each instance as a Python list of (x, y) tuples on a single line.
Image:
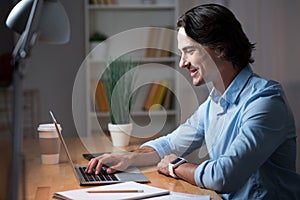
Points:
[(113, 191)]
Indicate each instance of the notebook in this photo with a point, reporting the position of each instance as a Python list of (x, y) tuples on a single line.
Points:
[(132, 174)]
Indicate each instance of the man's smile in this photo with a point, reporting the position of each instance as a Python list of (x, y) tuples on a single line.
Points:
[(193, 71)]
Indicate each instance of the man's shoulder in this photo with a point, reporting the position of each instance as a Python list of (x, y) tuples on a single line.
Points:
[(260, 91), (258, 84)]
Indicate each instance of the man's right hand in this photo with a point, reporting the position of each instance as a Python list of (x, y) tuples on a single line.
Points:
[(144, 156), (114, 162)]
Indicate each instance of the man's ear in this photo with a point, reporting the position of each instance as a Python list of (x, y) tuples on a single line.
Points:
[(220, 53)]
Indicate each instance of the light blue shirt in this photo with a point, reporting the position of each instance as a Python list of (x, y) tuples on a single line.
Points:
[(251, 139)]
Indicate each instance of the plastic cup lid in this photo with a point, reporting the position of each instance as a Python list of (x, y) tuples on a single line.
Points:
[(48, 127)]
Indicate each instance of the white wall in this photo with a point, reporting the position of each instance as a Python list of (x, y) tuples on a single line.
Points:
[(52, 70), (273, 26)]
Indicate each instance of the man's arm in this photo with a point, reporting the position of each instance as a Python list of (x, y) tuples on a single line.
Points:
[(184, 171), (151, 152), (144, 156), (141, 157), (144, 149)]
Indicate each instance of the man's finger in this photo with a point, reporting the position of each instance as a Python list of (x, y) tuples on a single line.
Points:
[(91, 165), (98, 167), (111, 170)]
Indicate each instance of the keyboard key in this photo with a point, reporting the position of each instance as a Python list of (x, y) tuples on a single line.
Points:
[(99, 177)]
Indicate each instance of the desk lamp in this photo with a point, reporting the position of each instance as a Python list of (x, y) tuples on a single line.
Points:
[(34, 20)]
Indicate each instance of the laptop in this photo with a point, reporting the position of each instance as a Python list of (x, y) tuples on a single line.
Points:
[(102, 178)]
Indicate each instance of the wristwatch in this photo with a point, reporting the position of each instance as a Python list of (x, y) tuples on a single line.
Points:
[(175, 163)]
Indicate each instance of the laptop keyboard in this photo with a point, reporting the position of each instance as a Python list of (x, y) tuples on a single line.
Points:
[(98, 177)]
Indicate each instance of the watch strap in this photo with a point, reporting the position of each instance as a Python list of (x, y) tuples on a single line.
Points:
[(171, 171), (172, 166)]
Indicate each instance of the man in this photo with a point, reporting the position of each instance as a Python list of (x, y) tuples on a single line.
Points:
[(245, 122)]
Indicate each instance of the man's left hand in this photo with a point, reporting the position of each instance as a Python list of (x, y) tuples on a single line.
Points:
[(163, 165)]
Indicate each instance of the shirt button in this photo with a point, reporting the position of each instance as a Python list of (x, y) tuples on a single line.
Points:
[(222, 103)]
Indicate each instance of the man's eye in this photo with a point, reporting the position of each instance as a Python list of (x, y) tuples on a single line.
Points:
[(190, 51)]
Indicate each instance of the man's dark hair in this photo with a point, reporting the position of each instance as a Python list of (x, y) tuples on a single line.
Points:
[(216, 27)]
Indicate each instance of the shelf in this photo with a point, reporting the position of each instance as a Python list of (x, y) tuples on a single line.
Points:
[(114, 19), (142, 60), (132, 7), (137, 113), (156, 59), (153, 113)]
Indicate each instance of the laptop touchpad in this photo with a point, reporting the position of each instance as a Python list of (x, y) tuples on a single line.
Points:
[(137, 177)]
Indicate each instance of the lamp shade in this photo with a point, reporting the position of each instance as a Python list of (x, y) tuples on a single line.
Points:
[(53, 26), (18, 16), (54, 23)]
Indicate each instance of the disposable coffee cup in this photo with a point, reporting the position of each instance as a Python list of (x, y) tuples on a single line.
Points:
[(49, 143)]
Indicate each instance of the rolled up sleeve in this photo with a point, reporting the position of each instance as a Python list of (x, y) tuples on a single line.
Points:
[(182, 141)]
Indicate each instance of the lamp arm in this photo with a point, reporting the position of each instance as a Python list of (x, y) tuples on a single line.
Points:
[(29, 35), (20, 53), (25, 19)]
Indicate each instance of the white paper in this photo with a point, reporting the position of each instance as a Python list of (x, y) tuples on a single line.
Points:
[(82, 194), (181, 196)]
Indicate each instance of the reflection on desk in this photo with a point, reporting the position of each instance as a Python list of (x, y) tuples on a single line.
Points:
[(42, 181)]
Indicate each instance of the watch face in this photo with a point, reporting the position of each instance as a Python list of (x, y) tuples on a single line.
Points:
[(176, 161)]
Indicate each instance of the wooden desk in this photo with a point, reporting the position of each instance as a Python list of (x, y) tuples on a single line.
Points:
[(41, 181)]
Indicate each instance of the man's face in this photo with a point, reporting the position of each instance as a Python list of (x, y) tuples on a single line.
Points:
[(196, 59)]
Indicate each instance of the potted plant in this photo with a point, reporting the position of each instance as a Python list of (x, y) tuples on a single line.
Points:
[(119, 85), (98, 52), (97, 36)]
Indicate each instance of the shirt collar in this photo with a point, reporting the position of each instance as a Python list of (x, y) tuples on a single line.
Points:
[(235, 88)]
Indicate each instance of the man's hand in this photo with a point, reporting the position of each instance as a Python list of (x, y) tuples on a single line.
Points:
[(144, 156), (163, 165), (114, 162), (184, 171)]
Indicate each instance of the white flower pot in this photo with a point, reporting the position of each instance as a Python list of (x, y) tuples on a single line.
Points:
[(98, 50), (120, 134)]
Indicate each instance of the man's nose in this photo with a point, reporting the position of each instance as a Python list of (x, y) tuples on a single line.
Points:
[(183, 63)]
